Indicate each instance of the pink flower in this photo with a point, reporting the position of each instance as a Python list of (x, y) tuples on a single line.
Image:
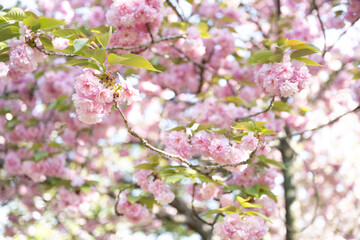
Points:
[(124, 13), (207, 191), (77, 181), (34, 170), (249, 142), (142, 179), (136, 213), (4, 69), (268, 207), (162, 194), (12, 163), (55, 166), (219, 148), (284, 79), (235, 227), (92, 99), (177, 142), (268, 178), (128, 93), (201, 142), (22, 58)]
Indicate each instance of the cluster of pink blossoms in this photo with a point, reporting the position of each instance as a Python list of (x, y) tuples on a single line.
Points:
[(92, 99), (135, 213), (162, 194), (284, 79), (37, 171), (213, 145), (204, 192), (132, 18), (235, 227)]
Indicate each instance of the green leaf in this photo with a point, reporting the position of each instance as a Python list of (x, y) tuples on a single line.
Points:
[(281, 106), (4, 50), (293, 42), (40, 155), (251, 205), (260, 57), (260, 124), (228, 209), (147, 166), (15, 14), (79, 44), (30, 21), (266, 160), (253, 190), (301, 53), (131, 60), (245, 125), (9, 32), (68, 33), (4, 58), (104, 39), (46, 43), (268, 132), (242, 200), (96, 54), (258, 214), (133, 199), (174, 178), (50, 23), (78, 62), (308, 62)]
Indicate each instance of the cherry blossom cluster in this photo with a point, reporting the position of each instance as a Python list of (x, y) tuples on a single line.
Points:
[(135, 213), (94, 100), (162, 194), (284, 79), (235, 227), (213, 145)]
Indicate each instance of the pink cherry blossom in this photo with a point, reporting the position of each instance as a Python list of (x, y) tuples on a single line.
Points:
[(235, 227)]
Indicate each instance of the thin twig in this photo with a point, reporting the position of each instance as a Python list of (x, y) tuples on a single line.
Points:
[(327, 124), (340, 36), (247, 161), (321, 23), (176, 11), (258, 113), (149, 30), (54, 53), (147, 144), (193, 208)]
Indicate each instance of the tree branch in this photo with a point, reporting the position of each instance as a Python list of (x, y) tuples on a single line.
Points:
[(326, 124), (258, 113)]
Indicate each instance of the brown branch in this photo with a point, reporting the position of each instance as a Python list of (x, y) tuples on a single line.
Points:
[(190, 220), (193, 207), (326, 124), (54, 53), (176, 11), (148, 145), (258, 113), (252, 155), (340, 36), (321, 23)]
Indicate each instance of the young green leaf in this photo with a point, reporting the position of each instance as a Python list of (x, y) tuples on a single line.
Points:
[(79, 44), (15, 14), (46, 43), (50, 23), (260, 57), (131, 60), (308, 62)]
